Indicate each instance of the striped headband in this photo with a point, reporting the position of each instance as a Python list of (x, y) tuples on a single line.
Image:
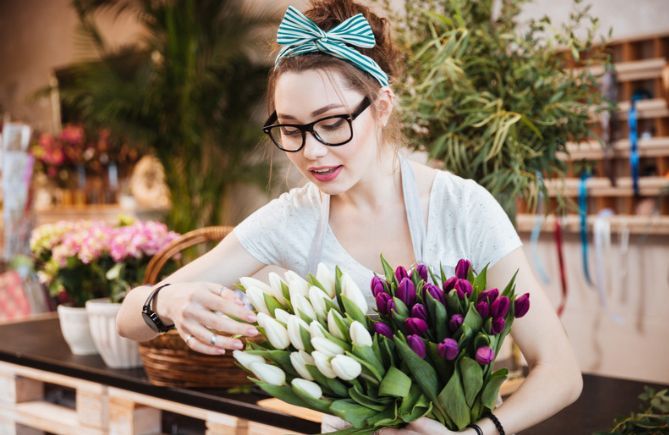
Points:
[(299, 35)]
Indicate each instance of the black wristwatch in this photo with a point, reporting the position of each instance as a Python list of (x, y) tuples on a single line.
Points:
[(150, 316)]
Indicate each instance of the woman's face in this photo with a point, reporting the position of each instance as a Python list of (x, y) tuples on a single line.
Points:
[(305, 96)]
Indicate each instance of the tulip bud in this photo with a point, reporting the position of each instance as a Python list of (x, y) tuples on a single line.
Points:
[(406, 292), (382, 302), (455, 322), (318, 300), (326, 277), (415, 326), (301, 306), (485, 355), (383, 329), (462, 268), (377, 286), (522, 305), (299, 361), (449, 284), (316, 329), (326, 347), (500, 307), (296, 284), (275, 285), (448, 349), (294, 333), (334, 320), (245, 359), (483, 309), (359, 334), (351, 290), (252, 282), (323, 364), (435, 292), (282, 315), (268, 373), (274, 331), (257, 298), (417, 345), (464, 288), (312, 389), (497, 326), (401, 273), (345, 367), (488, 295), (419, 311), (422, 271)]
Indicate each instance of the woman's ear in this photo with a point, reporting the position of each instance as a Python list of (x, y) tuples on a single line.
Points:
[(384, 104)]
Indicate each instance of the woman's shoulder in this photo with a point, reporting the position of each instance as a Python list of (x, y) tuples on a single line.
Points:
[(455, 188)]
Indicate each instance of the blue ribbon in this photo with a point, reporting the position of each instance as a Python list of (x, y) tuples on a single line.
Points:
[(632, 122), (583, 213), (299, 35)]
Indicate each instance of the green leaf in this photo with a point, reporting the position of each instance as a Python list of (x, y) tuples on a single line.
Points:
[(473, 319), (400, 308), (441, 320), (422, 372), (491, 389), (472, 378), (367, 354), (369, 367), (480, 282), (395, 383), (352, 412), (353, 311), (321, 404), (510, 287), (444, 368), (283, 392), (452, 399), (357, 395), (272, 303), (306, 339), (278, 357), (335, 386), (387, 270)]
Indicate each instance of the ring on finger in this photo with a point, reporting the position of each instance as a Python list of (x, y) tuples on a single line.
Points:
[(212, 340), (188, 338), (220, 291)]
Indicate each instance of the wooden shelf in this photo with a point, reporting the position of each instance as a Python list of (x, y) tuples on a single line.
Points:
[(651, 108), (653, 147), (646, 69), (636, 224), (601, 186)]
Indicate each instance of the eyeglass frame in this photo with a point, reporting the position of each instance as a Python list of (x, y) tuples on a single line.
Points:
[(304, 128)]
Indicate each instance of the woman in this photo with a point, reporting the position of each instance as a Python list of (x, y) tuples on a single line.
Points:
[(333, 115)]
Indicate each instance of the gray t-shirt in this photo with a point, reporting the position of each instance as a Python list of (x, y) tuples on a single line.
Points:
[(464, 221)]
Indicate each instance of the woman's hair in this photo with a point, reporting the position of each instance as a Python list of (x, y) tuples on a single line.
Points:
[(328, 14)]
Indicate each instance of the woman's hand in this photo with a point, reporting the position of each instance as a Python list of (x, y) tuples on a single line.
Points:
[(206, 315), (423, 426)]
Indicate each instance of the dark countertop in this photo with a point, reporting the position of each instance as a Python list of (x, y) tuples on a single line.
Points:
[(39, 344)]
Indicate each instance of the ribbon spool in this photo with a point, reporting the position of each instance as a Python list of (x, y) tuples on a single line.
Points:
[(602, 247), (560, 255), (632, 122), (583, 214)]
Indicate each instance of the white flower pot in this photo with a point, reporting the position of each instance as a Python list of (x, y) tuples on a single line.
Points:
[(75, 329), (116, 351)]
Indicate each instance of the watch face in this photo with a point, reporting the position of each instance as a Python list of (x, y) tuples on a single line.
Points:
[(149, 321)]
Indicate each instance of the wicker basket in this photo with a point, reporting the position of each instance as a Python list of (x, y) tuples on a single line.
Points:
[(168, 361)]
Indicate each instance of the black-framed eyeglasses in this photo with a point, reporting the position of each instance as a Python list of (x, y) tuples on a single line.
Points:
[(334, 130)]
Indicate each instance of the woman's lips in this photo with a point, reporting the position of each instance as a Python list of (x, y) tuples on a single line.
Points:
[(327, 176)]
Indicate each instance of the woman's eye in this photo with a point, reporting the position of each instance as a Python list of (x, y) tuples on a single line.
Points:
[(290, 131), (333, 124)]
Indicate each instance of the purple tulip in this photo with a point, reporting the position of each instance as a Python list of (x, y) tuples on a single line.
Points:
[(419, 311), (449, 284), (522, 305), (422, 271), (464, 288), (489, 295), (383, 329), (390, 305), (417, 345), (455, 322), (483, 308), (435, 291), (416, 326), (448, 349), (377, 286), (401, 273), (500, 307), (382, 300), (485, 355), (498, 324), (407, 292), (462, 268)]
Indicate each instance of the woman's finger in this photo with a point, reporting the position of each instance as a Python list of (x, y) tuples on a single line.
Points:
[(195, 344), (222, 323), (228, 303), (212, 339)]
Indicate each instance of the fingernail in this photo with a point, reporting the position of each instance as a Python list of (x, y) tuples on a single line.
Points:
[(238, 345), (221, 351), (252, 331), (251, 317)]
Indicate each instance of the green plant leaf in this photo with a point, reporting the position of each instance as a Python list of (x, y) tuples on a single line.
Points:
[(491, 389), (452, 399), (472, 379)]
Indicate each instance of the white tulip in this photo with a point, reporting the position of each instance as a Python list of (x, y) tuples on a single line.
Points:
[(326, 347), (351, 290), (246, 359), (360, 335), (257, 298), (323, 364), (268, 373), (316, 329), (299, 360), (296, 283), (318, 300), (274, 331), (252, 282), (345, 367), (326, 277), (275, 286), (302, 306), (333, 326), (312, 389), (282, 315), (294, 334)]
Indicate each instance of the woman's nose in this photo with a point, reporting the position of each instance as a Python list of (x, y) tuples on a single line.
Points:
[(313, 149)]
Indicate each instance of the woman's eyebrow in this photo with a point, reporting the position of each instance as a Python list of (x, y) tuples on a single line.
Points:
[(315, 112)]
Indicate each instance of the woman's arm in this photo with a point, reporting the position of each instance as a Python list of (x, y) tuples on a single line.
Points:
[(195, 298)]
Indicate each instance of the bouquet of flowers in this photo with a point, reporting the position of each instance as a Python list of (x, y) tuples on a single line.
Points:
[(83, 260), (428, 352)]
